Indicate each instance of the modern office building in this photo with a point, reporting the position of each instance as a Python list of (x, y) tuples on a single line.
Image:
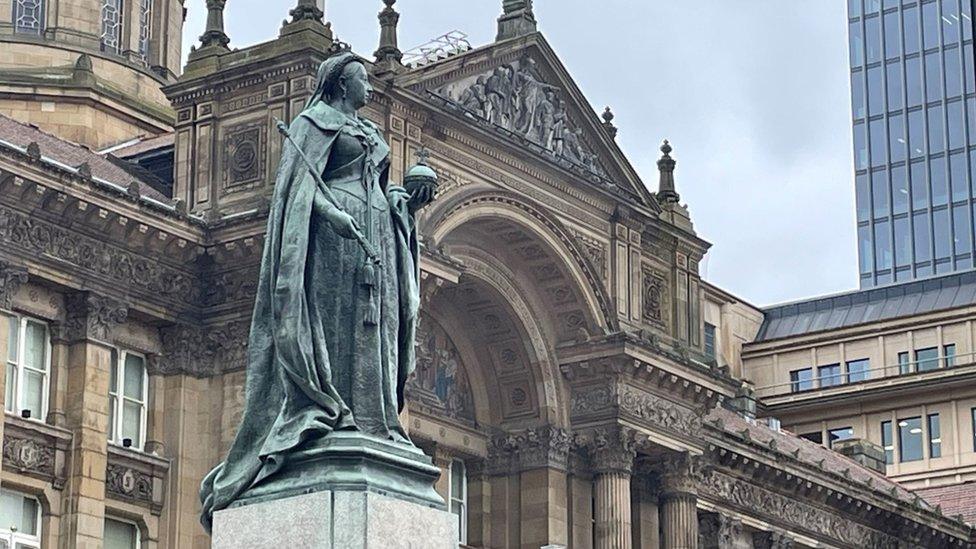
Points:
[(914, 115)]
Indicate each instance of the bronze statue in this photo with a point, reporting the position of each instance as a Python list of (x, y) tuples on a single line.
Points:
[(332, 336)]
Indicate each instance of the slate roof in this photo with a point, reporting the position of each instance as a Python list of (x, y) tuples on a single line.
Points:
[(66, 153), (871, 305)]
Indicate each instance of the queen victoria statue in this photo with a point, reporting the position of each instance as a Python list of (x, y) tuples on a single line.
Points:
[(332, 335)]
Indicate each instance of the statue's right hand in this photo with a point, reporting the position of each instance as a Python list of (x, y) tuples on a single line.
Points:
[(344, 224)]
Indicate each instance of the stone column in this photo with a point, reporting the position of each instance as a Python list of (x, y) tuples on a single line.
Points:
[(90, 319), (644, 506), (479, 504), (718, 531), (679, 496), (613, 455)]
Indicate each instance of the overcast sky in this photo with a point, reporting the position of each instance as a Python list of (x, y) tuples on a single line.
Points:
[(753, 94)]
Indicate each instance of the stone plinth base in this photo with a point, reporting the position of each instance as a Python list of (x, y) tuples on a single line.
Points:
[(335, 520)]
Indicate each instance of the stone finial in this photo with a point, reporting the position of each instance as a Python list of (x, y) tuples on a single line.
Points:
[(307, 10), (608, 122), (389, 52), (517, 19), (666, 191), (215, 36)]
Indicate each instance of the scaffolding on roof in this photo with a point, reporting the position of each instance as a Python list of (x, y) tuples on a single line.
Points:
[(442, 47)]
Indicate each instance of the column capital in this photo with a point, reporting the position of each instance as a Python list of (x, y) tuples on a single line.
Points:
[(772, 540), (613, 449), (680, 474), (91, 316), (718, 531), (543, 447), (12, 277)]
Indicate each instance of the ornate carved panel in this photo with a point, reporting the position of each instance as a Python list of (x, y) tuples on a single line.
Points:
[(91, 316), (245, 155), (654, 287), (635, 404), (136, 477), (36, 449), (28, 455), (202, 350), (11, 279)]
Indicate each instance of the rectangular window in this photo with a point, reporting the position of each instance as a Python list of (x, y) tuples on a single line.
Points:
[(910, 18), (958, 176), (953, 73), (709, 340), (853, 8), (936, 119), (933, 76), (927, 359), (875, 91), (28, 364), (940, 229), (834, 435), (111, 38), (930, 25), (887, 443), (872, 39), (145, 28), (949, 353), (913, 79), (972, 417), (882, 245), (127, 395), (863, 196), (857, 370), (950, 21), (910, 439), (860, 146), (961, 233), (916, 138), (899, 189), (801, 380), (121, 535), (897, 137), (28, 17), (20, 521), (903, 242), (830, 375), (816, 437), (892, 34), (895, 87), (879, 189), (940, 182), (459, 498), (957, 125), (923, 237), (864, 249), (858, 102), (935, 436), (969, 70), (857, 44)]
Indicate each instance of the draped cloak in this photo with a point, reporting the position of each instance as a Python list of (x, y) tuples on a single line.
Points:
[(290, 398)]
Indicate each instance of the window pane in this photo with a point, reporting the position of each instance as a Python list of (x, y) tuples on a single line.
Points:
[(8, 393), (13, 341), (802, 380), (967, 20), (853, 8), (120, 535), (950, 21), (860, 147), (930, 25), (935, 436), (971, 116), (886, 442), (879, 191), (923, 244), (113, 403), (879, 142), (904, 364), (134, 373), (899, 189), (830, 375), (940, 228), (18, 511), (28, 16), (865, 250), (903, 242), (959, 176), (842, 433), (857, 370), (969, 72), (33, 393), (111, 25), (910, 16), (957, 126), (897, 137), (892, 33), (953, 73), (961, 232), (910, 439), (457, 479), (913, 80), (858, 102), (895, 87), (882, 245), (927, 359), (709, 340), (933, 76), (949, 352), (863, 197), (940, 182), (857, 44), (916, 134), (872, 39), (875, 91), (872, 6), (132, 422), (35, 346), (113, 376), (813, 437)]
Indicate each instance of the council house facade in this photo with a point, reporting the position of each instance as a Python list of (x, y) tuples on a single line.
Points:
[(578, 383)]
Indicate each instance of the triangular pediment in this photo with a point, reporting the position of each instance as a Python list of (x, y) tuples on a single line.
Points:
[(521, 90)]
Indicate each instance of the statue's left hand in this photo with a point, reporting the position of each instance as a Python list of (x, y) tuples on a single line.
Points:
[(421, 196)]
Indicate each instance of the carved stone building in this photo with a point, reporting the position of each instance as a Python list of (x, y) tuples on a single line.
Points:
[(578, 383)]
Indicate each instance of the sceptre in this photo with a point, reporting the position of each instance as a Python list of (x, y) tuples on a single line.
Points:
[(372, 255)]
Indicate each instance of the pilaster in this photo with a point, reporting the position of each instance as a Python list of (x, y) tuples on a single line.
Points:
[(90, 320)]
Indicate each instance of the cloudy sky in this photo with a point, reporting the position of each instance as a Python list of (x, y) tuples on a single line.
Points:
[(753, 94)]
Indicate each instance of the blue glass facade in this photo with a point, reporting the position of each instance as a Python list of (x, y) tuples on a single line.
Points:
[(914, 111)]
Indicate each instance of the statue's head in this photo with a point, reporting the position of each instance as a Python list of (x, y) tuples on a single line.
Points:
[(343, 77)]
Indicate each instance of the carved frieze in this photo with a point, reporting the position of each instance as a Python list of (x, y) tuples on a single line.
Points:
[(530, 449), (11, 279), (202, 351), (92, 316), (96, 258), (516, 97), (791, 511), (136, 477), (28, 455), (126, 482), (633, 403)]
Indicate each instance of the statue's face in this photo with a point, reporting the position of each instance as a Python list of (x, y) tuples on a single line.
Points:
[(358, 89)]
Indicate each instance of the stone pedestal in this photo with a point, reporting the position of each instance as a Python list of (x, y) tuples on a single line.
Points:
[(347, 519)]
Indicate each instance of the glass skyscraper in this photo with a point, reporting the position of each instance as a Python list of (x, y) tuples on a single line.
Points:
[(913, 84)]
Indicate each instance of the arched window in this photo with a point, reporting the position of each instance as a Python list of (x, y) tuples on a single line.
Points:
[(112, 26), (29, 16), (145, 28)]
